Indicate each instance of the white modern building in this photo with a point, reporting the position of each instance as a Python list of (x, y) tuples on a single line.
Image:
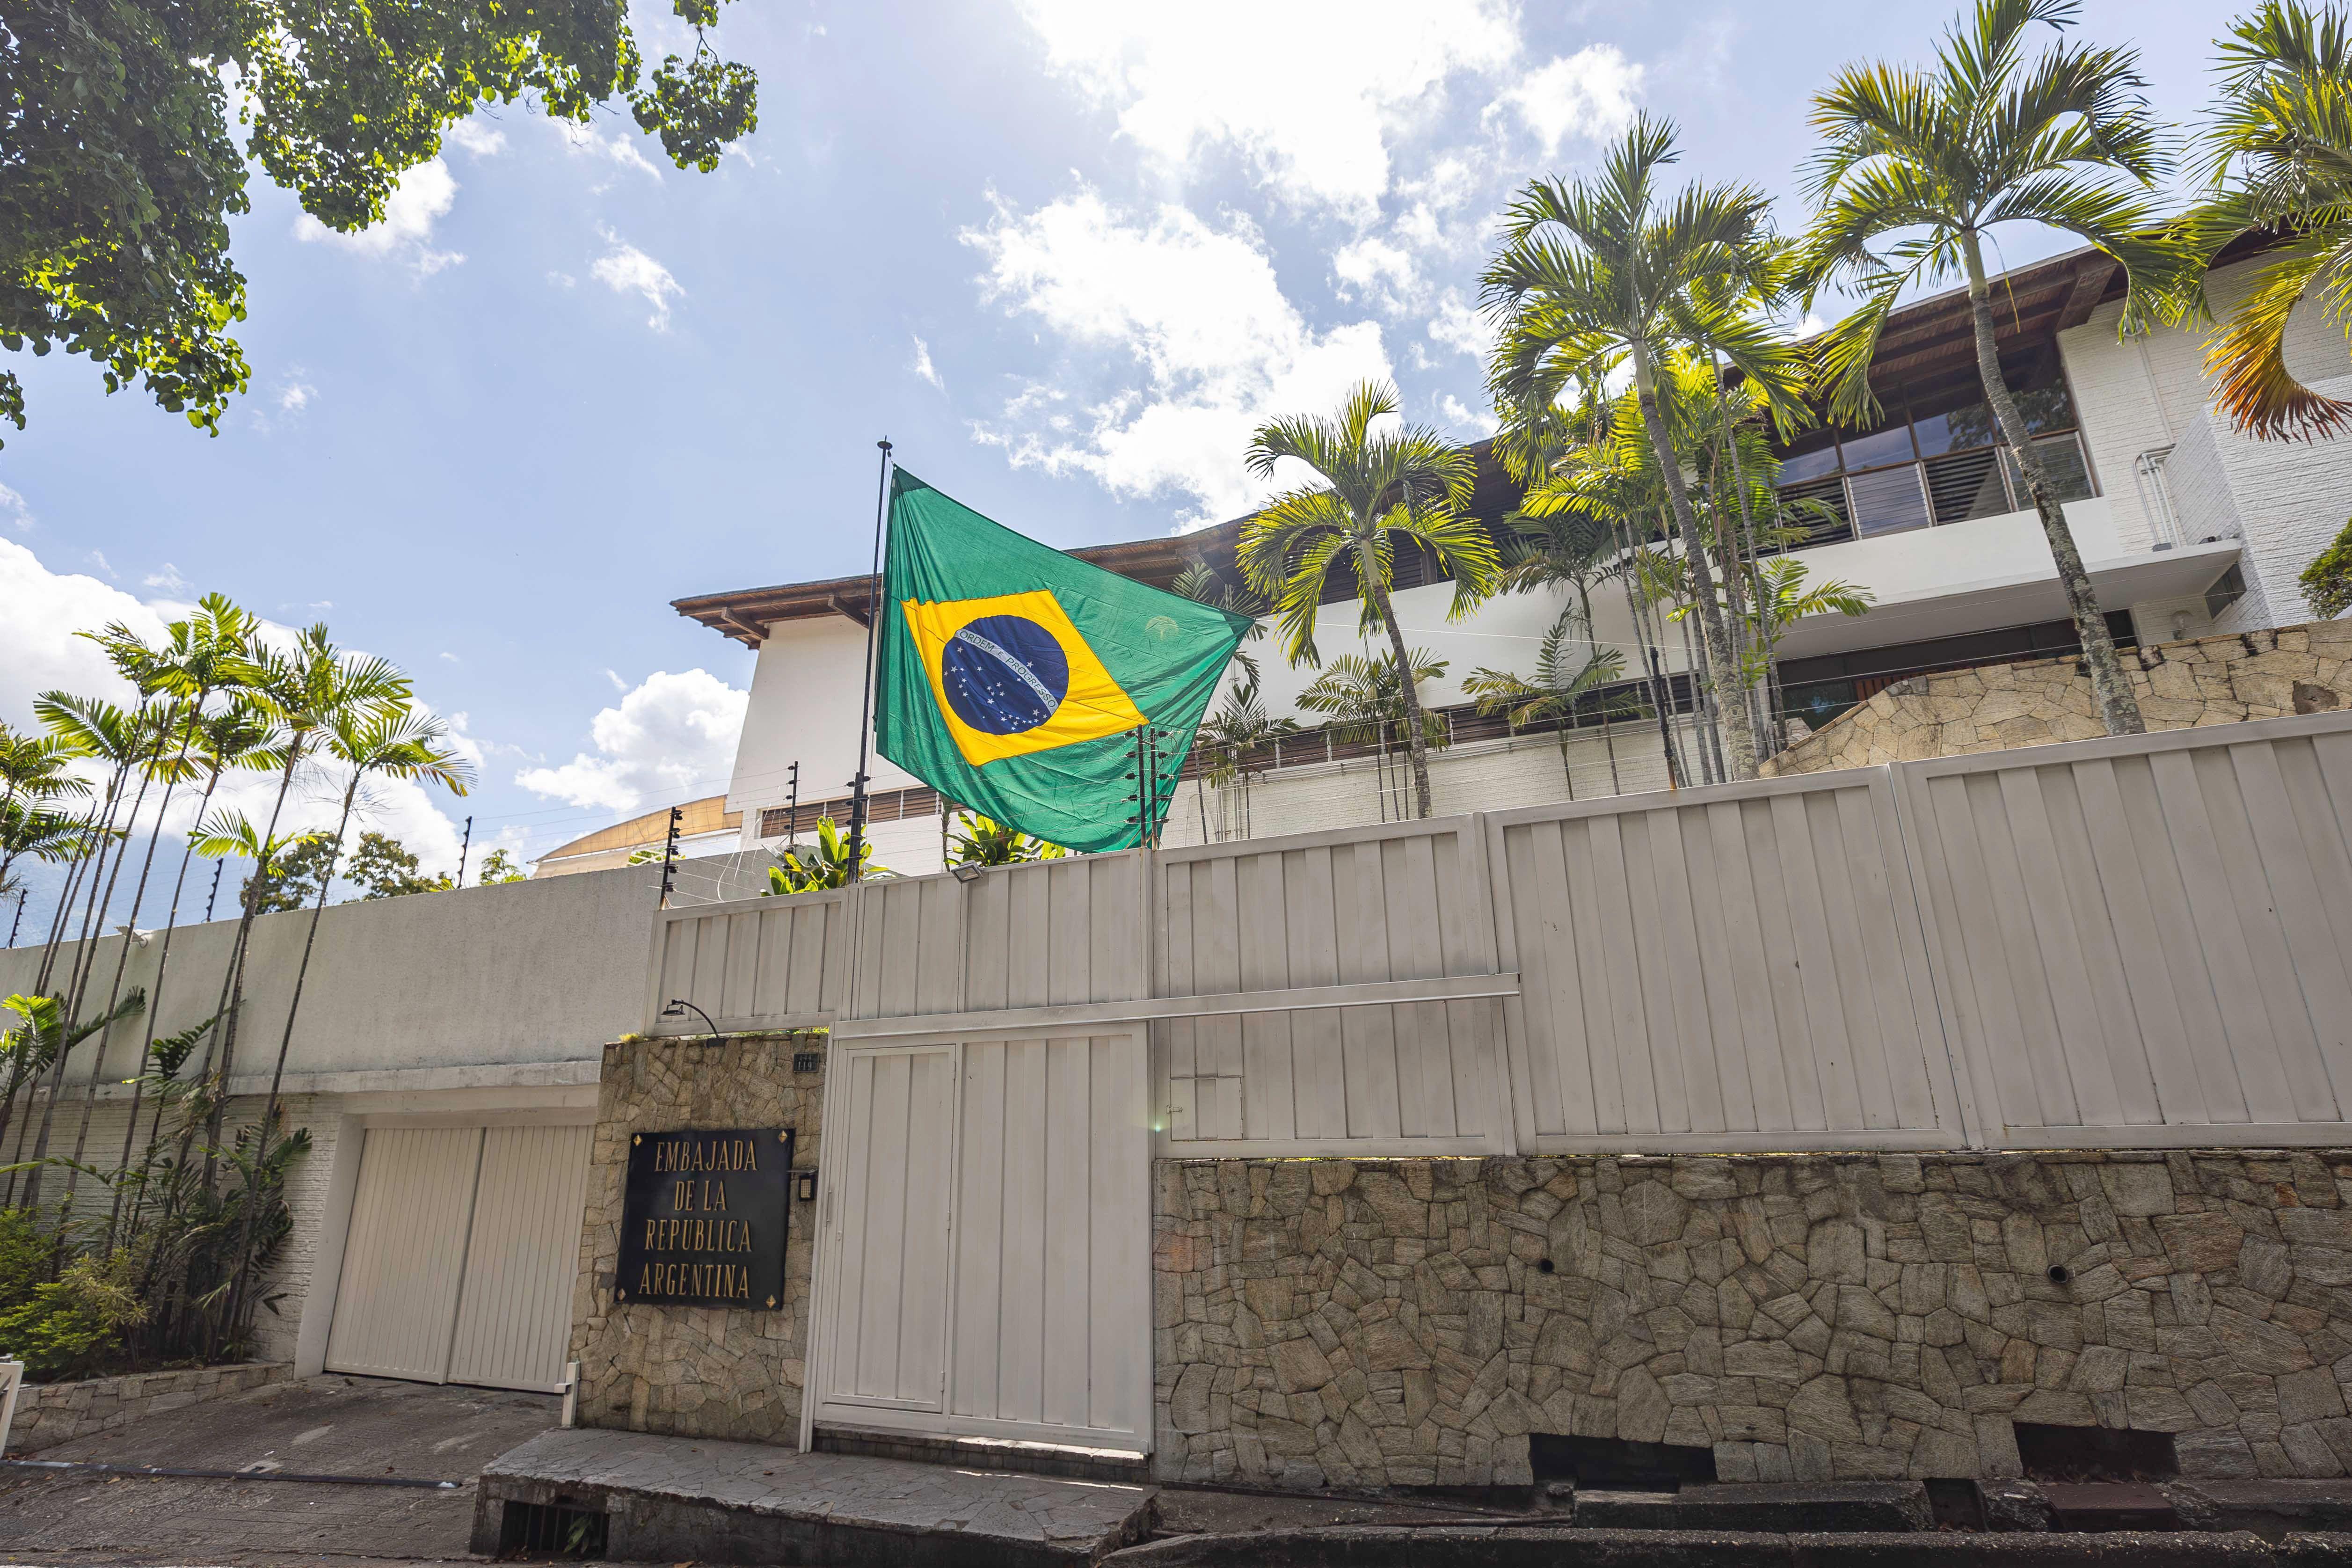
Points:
[(2188, 530)]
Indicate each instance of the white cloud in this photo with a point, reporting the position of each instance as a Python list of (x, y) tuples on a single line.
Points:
[(97, 558), (671, 738), (295, 395), (620, 148), (1371, 268), (14, 509), (1458, 413), (452, 658), (1309, 93), (1459, 327), (1202, 341), (473, 136), (167, 581), (1579, 96), (625, 269), (923, 367), (422, 199)]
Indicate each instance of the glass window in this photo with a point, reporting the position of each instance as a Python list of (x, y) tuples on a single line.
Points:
[(1818, 508), (2061, 459), (1888, 501), (1803, 466), (1818, 702), (1962, 485), (1956, 430), (2046, 408), (1891, 446)]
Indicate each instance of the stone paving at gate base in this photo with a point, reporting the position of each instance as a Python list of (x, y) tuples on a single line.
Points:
[(678, 1498)]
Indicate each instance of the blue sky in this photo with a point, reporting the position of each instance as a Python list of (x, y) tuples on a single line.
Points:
[(1062, 252)]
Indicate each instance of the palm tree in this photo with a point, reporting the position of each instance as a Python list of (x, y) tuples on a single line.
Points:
[(302, 691), (45, 835), (1405, 483), (1570, 671), (2278, 155), (239, 735), (1365, 701), (1595, 274), (371, 739), (1929, 161)]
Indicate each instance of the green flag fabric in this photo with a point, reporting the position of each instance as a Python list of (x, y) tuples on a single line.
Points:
[(1013, 679)]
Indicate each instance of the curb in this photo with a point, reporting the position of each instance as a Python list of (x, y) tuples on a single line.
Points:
[(1524, 1546)]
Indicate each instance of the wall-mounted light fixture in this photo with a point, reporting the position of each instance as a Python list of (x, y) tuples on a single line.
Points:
[(678, 1009), (965, 873), (804, 1184)]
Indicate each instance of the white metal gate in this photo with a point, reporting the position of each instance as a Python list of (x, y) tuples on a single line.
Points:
[(463, 1246), (986, 1266)]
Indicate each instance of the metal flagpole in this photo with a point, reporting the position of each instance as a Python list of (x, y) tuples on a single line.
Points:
[(865, 703)]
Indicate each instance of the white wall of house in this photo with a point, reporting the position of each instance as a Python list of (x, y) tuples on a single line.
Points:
[(804, 709), (2290, 497)]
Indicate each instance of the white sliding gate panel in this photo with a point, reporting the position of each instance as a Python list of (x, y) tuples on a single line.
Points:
[(886, 1342), (1729, 968), (986, 1265), (1052, 1232), (405, 1261), (2147, 940), (514, 1315)]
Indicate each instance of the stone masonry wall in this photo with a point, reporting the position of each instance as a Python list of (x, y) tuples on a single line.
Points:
[(49, 1413), (1393, 1324), (694, 1372), (2209, 680)]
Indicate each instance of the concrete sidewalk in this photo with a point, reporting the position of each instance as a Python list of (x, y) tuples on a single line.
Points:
[(331, 1425)]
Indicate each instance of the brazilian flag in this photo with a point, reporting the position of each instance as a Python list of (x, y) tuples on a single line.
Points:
[(1013, 679)]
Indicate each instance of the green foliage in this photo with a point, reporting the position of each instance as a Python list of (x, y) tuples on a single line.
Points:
[(120, 174), (814, 868), (499, 866), (979, 840), (2327, 580), (384, 868), (77, 1322), (2278, 155), (1915, 166), (1364, 700), (295, 879), (25, 1259)]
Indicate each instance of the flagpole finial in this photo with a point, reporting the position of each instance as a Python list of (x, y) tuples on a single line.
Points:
[(884, 443)]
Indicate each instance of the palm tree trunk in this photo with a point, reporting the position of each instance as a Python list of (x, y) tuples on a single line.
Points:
[(1742, 744), (286, 1040), (1416, 742), (1658, 692), (233, 983), (114, 992), (155, 1014), (84, 959), (2118, 708)]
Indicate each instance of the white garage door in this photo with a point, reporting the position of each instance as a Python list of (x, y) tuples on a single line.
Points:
[(463, 1246)]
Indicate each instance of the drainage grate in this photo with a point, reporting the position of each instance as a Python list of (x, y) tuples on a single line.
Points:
[(2094, 1454), (1615, 1462), (551, 1530)]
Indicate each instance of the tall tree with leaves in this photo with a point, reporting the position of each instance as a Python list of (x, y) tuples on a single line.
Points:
[(1401, 483), (1609, 270), (118, 174), (1363, 698), (1924, 164)]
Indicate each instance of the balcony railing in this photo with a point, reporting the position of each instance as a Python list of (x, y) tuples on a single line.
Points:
[(1953, 487)]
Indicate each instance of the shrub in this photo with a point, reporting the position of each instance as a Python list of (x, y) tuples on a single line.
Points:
[(2327, 580), (75, 1324)]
